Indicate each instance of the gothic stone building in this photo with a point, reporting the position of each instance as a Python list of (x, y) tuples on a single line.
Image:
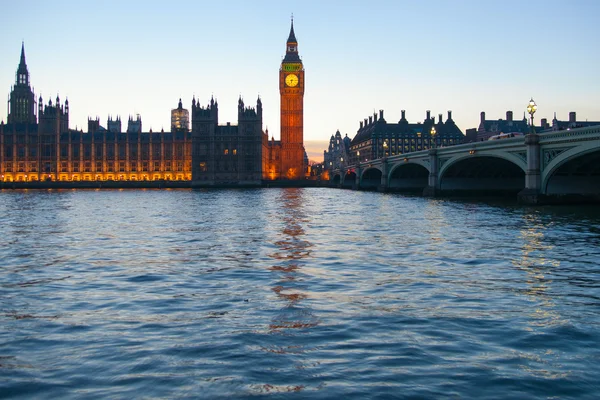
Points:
[(43, 147), (227, 154), (337, 156)]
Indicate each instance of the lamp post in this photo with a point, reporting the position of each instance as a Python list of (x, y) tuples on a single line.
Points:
[(433, 133), (531, 109)]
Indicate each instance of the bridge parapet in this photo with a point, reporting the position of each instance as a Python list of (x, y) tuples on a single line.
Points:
[(571, 135)]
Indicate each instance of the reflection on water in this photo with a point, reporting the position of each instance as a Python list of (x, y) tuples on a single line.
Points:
[(296, 292), (292, 252)]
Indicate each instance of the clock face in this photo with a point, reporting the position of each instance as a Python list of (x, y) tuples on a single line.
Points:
[(291, 80)]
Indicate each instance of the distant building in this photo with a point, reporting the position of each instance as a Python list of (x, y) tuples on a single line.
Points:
[(376, 138), (492, 127), (338, 154), (488, 128), (180, 118), (570, 124)]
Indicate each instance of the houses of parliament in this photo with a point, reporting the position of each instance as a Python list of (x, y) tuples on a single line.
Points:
[(36, 143)]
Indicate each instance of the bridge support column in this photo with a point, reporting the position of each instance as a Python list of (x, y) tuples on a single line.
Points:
[(533, 178), (433, 185), (356, 185), (384, 173)]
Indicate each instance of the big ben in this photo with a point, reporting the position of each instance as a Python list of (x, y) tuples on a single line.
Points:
[(291, 90)]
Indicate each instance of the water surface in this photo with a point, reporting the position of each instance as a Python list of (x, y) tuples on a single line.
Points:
[(300, 293)]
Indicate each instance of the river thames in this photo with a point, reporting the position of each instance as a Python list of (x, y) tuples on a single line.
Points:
[(295, 293)]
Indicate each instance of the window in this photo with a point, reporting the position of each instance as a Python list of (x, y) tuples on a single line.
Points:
[(226, 151), (122, 151), (234, 152), (203, 167), (133, 166), (99, 166), (156, 151)]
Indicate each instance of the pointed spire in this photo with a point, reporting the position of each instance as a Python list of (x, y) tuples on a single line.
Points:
[(292, 37), (22, 62)]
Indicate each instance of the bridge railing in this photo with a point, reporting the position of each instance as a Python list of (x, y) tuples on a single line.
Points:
[(569, 135)]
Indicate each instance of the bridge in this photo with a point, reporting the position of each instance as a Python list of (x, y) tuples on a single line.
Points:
[(553, 167)]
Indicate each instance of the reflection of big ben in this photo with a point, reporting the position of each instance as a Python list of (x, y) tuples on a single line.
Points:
[(291, 89)]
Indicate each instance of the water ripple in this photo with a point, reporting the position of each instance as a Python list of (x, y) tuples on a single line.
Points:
[(304, 293)]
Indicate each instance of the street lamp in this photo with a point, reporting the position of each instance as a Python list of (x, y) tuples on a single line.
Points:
[(531, 109), (433, 133)]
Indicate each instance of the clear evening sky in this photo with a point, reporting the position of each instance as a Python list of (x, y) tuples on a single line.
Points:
[(139, 57)]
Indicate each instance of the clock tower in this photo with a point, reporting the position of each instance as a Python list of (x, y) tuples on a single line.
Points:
[(291, 90)]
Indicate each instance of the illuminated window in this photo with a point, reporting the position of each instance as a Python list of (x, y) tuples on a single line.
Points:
[(234, 152), (226, 151), (203, 167)]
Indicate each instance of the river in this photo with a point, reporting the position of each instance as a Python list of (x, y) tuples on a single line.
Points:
[(299, 293)]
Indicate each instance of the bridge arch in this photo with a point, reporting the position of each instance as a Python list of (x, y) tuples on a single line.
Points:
[(483, 174), (337, 179), (371, 178), (349, 179), (408, 176), (573, 171)]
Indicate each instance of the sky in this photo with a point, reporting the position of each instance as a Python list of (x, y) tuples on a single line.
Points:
[(139, 57)]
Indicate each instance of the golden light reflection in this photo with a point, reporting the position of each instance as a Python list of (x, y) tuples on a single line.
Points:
[(534, 263), (98, 177), (291, 254)]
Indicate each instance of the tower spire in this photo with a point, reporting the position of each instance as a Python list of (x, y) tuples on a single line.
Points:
[(22, 62), (292, 37)]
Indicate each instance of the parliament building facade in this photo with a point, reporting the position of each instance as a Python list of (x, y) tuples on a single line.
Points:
[(36, 143)]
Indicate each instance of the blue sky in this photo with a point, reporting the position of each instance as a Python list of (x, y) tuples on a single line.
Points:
[(130, 57)]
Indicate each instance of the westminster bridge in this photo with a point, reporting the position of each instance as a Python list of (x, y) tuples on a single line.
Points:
[(561, 166)]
